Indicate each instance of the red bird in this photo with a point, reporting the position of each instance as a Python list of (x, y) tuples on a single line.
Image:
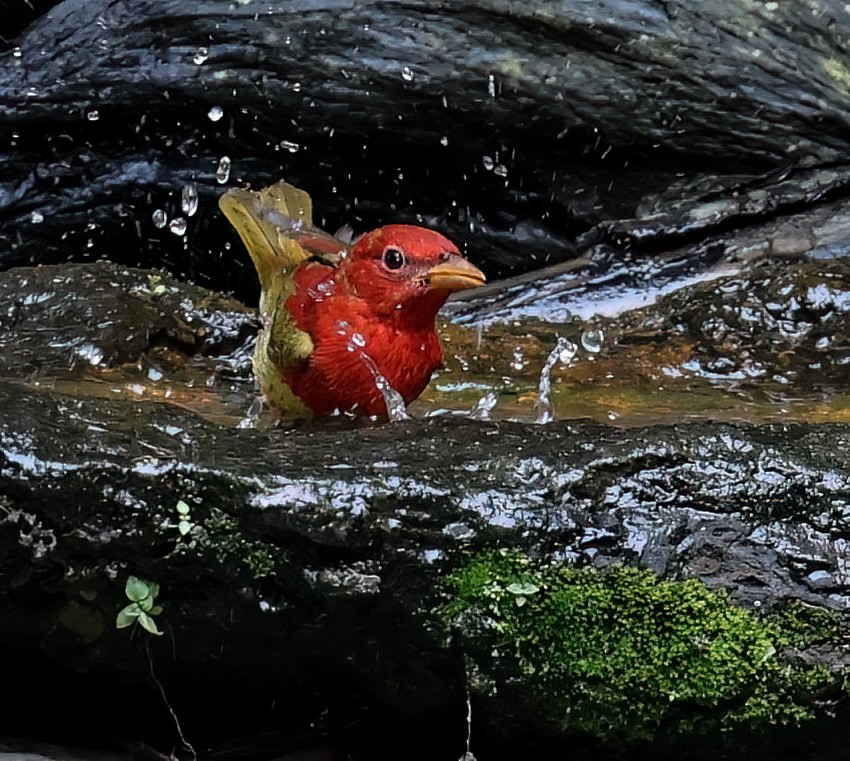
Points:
[(341, 320)]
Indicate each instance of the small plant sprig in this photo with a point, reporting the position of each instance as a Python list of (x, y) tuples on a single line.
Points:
[(185, 525), (155, 288), (142, 608)]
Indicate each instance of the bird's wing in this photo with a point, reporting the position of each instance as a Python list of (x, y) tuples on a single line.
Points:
[(276, 226)]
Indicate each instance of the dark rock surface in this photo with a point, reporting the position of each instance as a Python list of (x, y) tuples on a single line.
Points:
[(633, 121), (308, 582)]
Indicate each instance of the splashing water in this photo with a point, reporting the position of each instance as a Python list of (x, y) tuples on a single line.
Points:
[(564, 348), (215, 113), (222, 173), (396, 408), (189, 199), (254, 413), (485, 405), (178, 226)]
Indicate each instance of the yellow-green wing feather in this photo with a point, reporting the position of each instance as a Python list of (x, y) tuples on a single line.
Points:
[(276, 226)]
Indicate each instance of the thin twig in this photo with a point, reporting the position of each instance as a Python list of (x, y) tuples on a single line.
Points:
[(186, 744)]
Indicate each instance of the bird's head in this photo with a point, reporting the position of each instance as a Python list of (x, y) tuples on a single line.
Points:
[(408, 269)]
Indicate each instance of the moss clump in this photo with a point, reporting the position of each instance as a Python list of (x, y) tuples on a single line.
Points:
[(621, 654), (225, 537), (807, 626)]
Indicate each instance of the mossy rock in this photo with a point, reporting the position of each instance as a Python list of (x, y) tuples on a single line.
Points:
[(623, 655)]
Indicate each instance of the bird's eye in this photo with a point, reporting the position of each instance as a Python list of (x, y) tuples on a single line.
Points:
[(394, 259)]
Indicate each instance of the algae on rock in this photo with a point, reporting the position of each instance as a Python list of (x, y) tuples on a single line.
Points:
[(622, 654)]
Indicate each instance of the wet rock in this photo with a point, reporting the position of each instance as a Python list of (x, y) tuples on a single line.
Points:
[(788, 323), (57, 320), (307, 568), (631, 121)]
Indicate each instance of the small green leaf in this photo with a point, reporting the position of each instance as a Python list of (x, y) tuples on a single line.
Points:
[(184, 527), (154, 589), (146, 604), (148, 624), (137, 589), (182, 507), (522, 589), (155, 610), (127, 616)]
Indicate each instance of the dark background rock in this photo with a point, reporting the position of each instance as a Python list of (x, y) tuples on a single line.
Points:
[(595, 111)]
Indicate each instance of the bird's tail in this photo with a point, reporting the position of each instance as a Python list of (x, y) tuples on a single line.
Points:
[(272, 223)]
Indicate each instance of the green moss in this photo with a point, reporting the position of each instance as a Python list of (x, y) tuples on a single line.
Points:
[(806, 625), (621, 654), (225, 537)]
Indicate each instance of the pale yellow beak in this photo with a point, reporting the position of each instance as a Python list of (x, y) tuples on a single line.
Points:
[(457, 274)]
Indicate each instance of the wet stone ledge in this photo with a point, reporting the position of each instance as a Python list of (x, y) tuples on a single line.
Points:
[(368, 574)]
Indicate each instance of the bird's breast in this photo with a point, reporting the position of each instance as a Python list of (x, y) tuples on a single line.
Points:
[(355, 353)]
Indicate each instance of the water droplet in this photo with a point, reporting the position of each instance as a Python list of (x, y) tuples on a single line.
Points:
[(407, 74), (178, 226), (159, 217), (222, 174), (488, 162), (289, 146), (189, 199), (201, 55), (501, 170), (491, 85), (215, 113), (444, 140), (17, 52), (296, 87), (592, 340), (93, 116), (36, 217), (518, 362), (91, 353), (484, 407), (358, 340)]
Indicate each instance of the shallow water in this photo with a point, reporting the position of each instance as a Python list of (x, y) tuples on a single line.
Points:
[(768, 343)]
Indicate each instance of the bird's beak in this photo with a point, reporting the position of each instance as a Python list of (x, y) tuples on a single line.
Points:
[(457, 274)]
